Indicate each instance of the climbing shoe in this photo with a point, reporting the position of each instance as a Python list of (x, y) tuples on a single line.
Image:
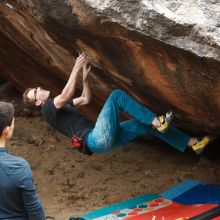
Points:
[(164, 121), (202, 142)]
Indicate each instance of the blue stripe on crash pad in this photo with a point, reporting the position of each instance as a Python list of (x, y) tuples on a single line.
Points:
[(200, 193), (179, 189), (119, 206)]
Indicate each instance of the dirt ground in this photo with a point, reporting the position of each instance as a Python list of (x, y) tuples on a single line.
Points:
[(69, 183)]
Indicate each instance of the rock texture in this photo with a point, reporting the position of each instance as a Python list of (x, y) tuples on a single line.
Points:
[(164, 53), (190, 25)]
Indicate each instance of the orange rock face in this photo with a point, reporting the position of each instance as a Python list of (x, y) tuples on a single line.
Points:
[(40, 50)]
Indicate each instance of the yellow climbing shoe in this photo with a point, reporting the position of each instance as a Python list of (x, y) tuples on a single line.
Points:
[(164, 121), (201, 143)]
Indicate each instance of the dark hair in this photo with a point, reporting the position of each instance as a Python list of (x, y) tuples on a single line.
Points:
[(6, 115), (27, 102)]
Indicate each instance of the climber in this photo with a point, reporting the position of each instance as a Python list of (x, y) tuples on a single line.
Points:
[(108, 132)]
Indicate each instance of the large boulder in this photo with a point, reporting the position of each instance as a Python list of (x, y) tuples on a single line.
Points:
[(164, 53)]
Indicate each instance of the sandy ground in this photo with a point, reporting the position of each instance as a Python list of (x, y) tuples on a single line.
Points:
[(69, 183)]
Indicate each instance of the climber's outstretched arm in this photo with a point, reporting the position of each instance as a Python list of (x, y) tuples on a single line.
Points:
[(69, 89)]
